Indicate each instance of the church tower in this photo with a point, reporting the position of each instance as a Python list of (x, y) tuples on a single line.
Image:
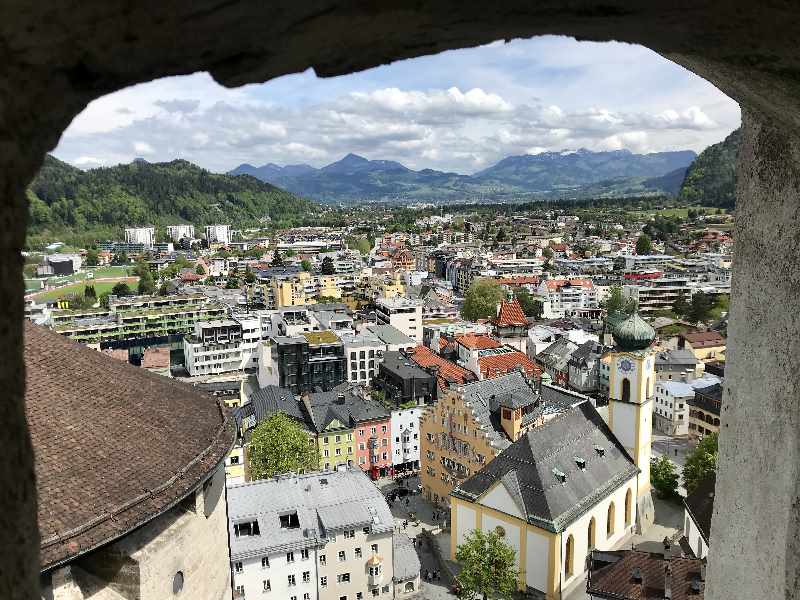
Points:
[(631, 382)]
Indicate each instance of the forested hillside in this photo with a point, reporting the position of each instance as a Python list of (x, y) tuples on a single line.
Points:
[(99, 202), (711, 178)]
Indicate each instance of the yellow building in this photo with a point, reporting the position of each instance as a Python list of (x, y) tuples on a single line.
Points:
[(469, 426), (707, 346), (560, 491), (575, 483)]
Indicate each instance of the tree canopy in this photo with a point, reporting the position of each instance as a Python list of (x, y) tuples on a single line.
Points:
[(280, 445), (481, 299), (532, 307), (121, 289), (701, 462), (328, 267), (664, 477), (644, 245), (700, 307), (488, 569)]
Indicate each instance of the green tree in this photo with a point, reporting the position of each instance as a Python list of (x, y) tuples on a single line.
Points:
[(305, 264), (701, 462), (481, 299), (232, 283), (90, 293), (121, 289), (617, 303), (700, 307), (163, 290), (664, 477), (547, 253), (200, 270), (643, 245), (328, 267), (277, 259), (279, 445), (681, 307), (488, 569), (104, 299), (146, 284), (501, 235), (249, 276), (92, 259), (531, 306)]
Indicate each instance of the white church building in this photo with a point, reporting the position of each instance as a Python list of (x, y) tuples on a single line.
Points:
[(574, 484)]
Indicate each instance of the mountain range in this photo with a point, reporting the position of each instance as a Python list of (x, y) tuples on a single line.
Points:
[(569, 174)]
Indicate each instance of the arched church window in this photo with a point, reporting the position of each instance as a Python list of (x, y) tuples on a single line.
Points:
[(590, 534), (568, 556), (610, 520), (628, 507)]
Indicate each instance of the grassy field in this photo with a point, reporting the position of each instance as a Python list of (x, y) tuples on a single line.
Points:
[(110, 271), (100, 287)]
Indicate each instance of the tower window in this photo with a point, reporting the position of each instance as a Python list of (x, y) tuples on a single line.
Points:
[(626, 390)]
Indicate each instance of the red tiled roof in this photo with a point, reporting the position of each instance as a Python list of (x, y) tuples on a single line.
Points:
[(520, 280), (615, 579), (555, 284), (190, 277), (449, 372), (510, 314), (114, 446), (500, 364), (704, 339), (445, 344), (117, 353), (477, 342)]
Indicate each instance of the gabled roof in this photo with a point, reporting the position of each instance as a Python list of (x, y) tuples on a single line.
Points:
[(510, 315), (158, 439), (611, 576), (477, 342), (448, 372), (272, 399), (499, 364), (541, 453), (704, 339), (700, 505), (553, 285)]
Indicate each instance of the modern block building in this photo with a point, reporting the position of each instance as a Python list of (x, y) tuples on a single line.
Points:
[(309, 360), (218, 234), (141, 235), (320, 536), (403, 313), (178, 232), (215, 347)]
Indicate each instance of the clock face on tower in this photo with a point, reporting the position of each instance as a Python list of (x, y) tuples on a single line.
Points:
[(625, 366)]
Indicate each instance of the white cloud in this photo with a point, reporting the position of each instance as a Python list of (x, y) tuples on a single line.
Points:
[(143, 148), (88, 161), (456, 111)]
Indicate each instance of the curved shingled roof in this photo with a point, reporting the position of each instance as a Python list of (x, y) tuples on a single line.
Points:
[(115, 446), (633, 333)]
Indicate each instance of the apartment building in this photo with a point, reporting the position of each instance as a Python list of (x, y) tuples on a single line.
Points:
[(403, 382), (218, 234), (141, 235), (215, 347), (403, 313), (178, 232), (678, 365), (309, 360), (405, 438), (670, 407), (322, 536), (141, 318), (642, 262), (364, 352), (567, 297), (653, 295), (487, 358), (705, 410)]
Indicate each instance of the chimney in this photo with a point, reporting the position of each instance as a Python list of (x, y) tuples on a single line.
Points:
[(340, 398), (667, 548), (703, 570)]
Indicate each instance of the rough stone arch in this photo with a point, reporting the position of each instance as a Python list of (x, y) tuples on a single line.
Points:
[(56, 57)]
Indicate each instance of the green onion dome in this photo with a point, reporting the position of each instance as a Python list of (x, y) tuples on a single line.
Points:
[(633, 333)]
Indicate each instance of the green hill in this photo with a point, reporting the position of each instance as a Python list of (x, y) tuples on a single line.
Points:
[(711, 178), (68, 202)]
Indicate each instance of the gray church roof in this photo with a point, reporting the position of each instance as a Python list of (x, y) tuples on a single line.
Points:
[(555, 490)]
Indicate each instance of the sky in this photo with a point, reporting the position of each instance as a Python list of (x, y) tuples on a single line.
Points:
[(461, 110)]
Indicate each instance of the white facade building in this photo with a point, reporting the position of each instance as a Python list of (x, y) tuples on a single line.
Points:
[(215, 347), (218, 234), (364, 353), (670, 408), (567, 297), (327, 535), (403, 313), (405, 438), (178, 232), (140, 235)]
